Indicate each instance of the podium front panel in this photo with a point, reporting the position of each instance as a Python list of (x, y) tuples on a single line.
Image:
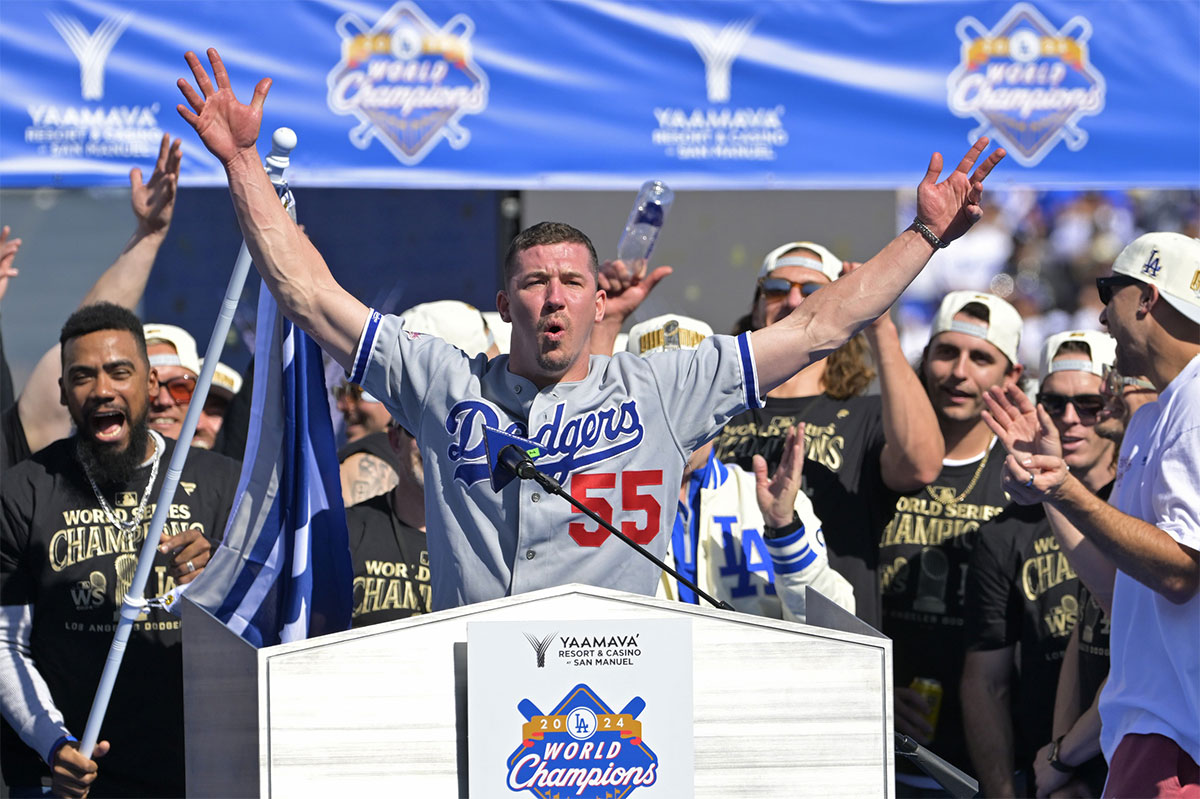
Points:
[(778, 708)]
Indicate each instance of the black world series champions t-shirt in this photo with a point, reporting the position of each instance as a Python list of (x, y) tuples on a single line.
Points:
[(59, 553), (391, 564), (844, 440), (1023, 593), (923, 565)]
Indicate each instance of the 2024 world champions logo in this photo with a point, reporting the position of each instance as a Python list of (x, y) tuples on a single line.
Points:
[(407, 80), (1026, 82), (582, 748)]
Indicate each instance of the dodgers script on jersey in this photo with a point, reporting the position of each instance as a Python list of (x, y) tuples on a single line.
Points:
[(617, 441)]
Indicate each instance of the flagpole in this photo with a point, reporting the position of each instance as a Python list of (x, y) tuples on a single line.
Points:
[(134, 604)]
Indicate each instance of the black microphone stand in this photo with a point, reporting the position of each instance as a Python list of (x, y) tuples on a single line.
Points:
[(520, 464), (955, 782)]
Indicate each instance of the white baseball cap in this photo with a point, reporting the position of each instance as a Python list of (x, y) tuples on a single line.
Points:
[(667, 332), (1171, 263), (501, 330), (225, 379), (828, 263), (455, 322), (1003, 328), (1103, 349), (185, 346)]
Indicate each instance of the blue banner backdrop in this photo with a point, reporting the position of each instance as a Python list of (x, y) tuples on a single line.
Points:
[(594, 94)]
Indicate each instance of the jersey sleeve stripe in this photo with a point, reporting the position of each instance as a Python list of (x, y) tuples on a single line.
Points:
[(793, 563), (749, 372), (366, 342), (792, 553)]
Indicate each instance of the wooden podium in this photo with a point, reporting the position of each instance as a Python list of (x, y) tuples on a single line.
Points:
[(779, 709)]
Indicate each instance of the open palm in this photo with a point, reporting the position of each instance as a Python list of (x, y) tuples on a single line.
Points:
[(227, 127), (1023, 428), (950, 208)]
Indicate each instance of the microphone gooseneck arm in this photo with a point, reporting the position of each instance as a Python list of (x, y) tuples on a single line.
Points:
[(520, 464)]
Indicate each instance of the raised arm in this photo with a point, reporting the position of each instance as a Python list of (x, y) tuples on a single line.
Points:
[(913, 445), (153, 204), (43, 418), (293, 270), (829, 318)]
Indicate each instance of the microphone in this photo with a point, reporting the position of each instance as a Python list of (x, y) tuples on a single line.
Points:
[(516, 461)]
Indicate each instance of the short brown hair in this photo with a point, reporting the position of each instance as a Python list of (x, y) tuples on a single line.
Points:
[(544, 233)]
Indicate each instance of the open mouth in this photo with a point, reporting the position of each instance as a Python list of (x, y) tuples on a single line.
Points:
[(107, 425), (956, 396), (553, 330)]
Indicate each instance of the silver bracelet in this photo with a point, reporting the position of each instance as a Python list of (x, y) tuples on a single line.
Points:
[(928, 234)]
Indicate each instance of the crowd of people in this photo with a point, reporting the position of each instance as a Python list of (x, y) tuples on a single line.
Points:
[(991, 502)]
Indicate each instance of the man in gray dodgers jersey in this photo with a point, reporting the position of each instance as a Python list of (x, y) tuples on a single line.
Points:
[(615, 431)]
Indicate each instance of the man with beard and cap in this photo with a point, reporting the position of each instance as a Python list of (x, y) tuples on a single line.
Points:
[(1022, 596), (74, 517), (926, 546), (1139, 555), (860, 448), (615, 431)]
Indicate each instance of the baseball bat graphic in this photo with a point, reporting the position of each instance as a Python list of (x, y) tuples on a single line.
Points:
[(528, 710), (634, 708)]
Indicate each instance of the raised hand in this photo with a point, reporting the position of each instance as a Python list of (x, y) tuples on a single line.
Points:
[(627, 286), (950, 208), (777, 494), (1022, 428), (154, 201), (8, 254), (227, 127)]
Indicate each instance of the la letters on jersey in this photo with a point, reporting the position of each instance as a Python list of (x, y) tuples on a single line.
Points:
[(566, 446)]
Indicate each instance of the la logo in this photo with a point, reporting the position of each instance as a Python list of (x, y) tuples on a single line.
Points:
[(1151, 266)]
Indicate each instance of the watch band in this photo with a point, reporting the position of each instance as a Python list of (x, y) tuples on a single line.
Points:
[(928, 234), (1052, 757), (779, 532)]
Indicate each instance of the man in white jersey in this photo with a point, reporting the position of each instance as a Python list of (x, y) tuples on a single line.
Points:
[(1144, 549), (615, 431)]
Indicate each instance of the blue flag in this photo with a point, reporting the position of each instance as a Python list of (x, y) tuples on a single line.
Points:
[(283, 571)]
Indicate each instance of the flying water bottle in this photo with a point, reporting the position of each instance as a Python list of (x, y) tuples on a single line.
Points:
[(645, 221)]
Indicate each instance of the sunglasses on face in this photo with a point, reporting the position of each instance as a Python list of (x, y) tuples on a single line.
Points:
[(179, 388), (1105, 286), (776, 288), (1115, 383), (1088, 406)]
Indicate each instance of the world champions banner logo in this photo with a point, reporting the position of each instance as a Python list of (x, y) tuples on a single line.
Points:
[(1026, 82), (582, 748), (408, 81)]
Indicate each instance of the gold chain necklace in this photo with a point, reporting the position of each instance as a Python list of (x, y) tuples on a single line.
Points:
[(970, 486)]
